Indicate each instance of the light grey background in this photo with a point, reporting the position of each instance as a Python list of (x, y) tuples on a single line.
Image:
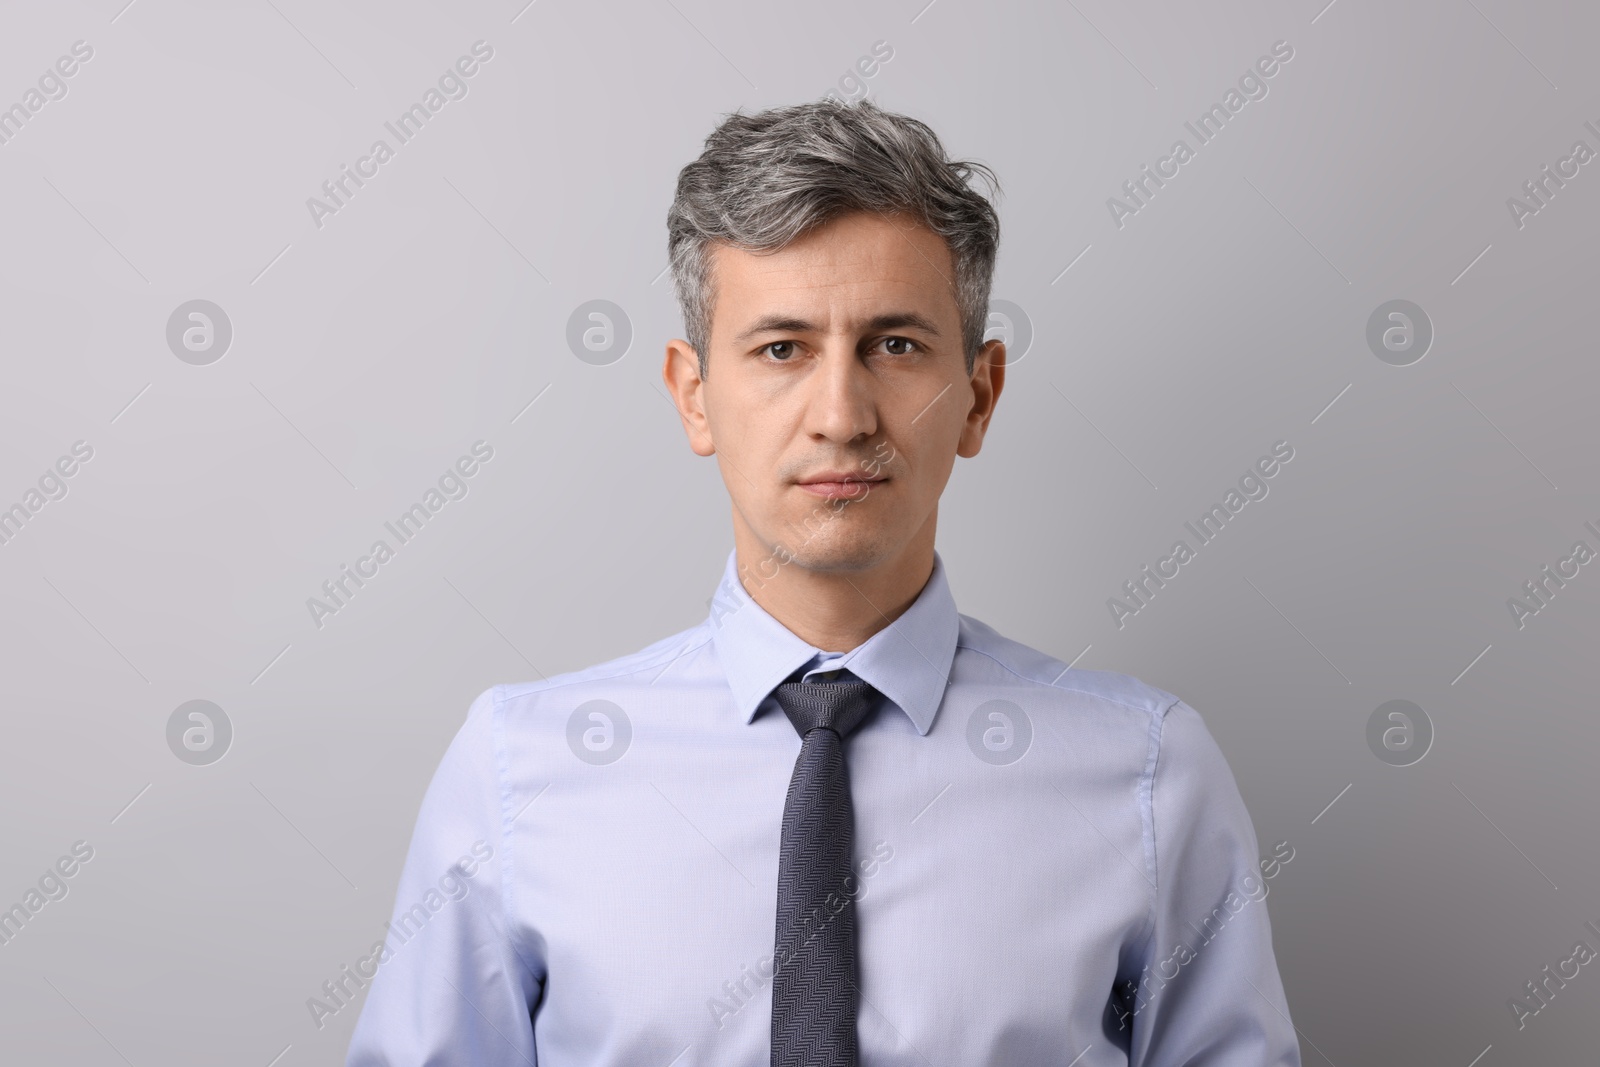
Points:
[(368, 354)]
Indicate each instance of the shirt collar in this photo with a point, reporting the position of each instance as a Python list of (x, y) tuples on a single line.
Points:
[(907, 661)]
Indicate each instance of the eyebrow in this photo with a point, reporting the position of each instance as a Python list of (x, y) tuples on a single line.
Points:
[(890, 320)]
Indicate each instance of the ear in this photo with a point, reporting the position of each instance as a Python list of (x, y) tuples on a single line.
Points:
[(988, 378), (680, 371)]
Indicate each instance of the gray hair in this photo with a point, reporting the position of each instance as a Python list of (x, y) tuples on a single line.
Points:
[(766, 179)]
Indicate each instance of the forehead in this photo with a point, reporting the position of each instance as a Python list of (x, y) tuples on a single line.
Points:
[(842, 272)]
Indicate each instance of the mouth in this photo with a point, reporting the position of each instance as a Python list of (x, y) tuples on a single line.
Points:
[(840, 486)]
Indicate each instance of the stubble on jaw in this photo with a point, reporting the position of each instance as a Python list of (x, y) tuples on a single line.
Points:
[(831, 537)]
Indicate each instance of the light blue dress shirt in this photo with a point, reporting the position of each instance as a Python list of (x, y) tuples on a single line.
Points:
[(1055, 865)]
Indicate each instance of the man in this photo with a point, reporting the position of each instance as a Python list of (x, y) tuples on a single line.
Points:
[(837, 822)]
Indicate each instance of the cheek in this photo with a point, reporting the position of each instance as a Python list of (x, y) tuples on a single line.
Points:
[(929, 471), (929, 433), (749, 455), (753, 446), (925, 456)]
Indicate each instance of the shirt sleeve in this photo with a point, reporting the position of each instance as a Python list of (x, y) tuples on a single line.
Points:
[(447, 984), (1209, 992)]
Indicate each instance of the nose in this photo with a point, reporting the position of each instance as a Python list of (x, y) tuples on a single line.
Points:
[(842, 404)]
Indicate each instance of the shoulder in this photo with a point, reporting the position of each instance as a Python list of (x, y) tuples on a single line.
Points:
[(990, 652), (644, 664)]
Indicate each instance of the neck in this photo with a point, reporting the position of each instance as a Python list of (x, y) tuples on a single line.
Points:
[(834, 610)]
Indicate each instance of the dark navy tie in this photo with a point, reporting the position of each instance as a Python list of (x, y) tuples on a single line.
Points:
[(814, 958)]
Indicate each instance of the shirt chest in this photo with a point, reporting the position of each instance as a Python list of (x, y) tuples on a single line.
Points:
[(993, 898)]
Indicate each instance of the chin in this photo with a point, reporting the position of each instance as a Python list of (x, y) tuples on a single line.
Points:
[(853, 552)]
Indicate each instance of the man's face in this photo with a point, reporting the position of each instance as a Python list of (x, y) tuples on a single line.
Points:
[(836, 397)]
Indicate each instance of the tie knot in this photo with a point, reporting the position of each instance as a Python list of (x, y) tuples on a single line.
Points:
[(837, 706)]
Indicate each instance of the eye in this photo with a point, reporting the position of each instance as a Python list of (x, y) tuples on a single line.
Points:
[(780, 351), (892, 345)]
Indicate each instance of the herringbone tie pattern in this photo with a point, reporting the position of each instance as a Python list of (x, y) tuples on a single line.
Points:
[(814, 978)]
